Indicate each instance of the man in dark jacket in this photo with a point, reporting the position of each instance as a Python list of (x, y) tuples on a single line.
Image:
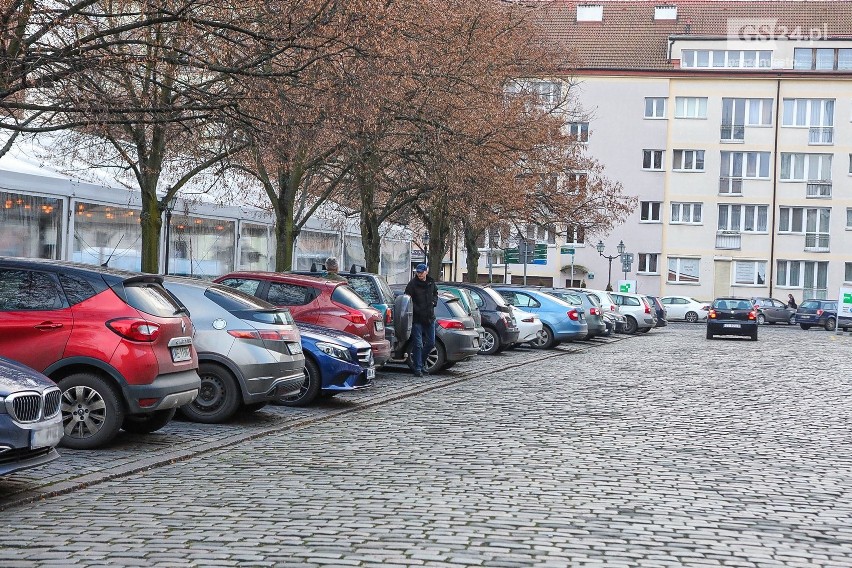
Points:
[(424, 298)]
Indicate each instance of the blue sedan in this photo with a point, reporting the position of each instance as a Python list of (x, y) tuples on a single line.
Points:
[(335, 362), (561, 320)]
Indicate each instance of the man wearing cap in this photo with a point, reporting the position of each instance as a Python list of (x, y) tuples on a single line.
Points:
[(424, 298), (332, 269)]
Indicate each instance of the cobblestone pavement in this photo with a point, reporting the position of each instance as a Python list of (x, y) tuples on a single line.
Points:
[(664, 449)]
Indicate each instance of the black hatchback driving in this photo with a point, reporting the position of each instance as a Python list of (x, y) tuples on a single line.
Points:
[(732, 316)]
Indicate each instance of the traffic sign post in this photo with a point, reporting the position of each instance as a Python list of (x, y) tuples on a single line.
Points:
[(626, 263)]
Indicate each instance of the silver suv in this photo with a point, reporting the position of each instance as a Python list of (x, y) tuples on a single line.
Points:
[(637, 309)]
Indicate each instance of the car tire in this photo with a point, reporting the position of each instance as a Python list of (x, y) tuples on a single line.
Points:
[(630, 326), (691, 317), (830, 324), (645, 330), (81, 391), (310, 389), (219, 396), (544, 340), (805, 325), (761, 319), (792, 320), (709, 334), (490, 342), (437, 357), (148, 422), (449, 364), (754, 336)]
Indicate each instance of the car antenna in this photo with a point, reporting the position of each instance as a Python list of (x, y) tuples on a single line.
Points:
[(109, 258)]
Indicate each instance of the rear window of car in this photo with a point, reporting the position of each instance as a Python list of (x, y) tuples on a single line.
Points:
[(594, 300), (453, 308), (151, 298), (733, 304), (810, 304), (348, 297), (364, 287), (233, 299), (498, 299)]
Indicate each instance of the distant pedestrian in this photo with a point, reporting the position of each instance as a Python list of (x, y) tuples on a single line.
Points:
[(791, 302), (424, 298), (332, 269)]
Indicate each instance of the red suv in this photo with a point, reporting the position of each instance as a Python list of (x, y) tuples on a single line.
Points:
[(116, 343), (318, 301)]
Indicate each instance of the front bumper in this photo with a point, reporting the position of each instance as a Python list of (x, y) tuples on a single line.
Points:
[(23, 446), (171, 391)]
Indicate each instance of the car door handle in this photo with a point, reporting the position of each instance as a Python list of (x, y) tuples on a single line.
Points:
[(48, 325)]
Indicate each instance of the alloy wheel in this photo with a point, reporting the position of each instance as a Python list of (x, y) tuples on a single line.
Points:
[(83, 412)]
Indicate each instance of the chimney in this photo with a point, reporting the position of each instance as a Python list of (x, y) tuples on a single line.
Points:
[(665, 13), (589, 12)]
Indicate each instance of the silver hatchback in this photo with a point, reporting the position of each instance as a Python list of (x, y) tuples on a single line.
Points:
[(249, 351)]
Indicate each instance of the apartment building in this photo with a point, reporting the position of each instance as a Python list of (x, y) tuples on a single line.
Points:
[(732, 124)]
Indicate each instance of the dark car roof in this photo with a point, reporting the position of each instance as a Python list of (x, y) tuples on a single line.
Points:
[(111, 275), (286, 277)]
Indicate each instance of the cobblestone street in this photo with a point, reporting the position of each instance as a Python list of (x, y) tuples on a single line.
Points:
[(663, 449)]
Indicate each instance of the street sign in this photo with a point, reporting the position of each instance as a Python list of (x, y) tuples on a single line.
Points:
[(567, 250), (627, 286), (511, 256), (627, 262), (844, 306), (540, 254)]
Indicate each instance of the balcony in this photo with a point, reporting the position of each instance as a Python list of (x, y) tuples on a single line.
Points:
[(732, 133), (731, 185), (817, 242), (819, 188), (728, 240), (820, 135)]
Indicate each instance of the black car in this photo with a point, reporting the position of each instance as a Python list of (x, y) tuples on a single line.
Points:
[(732, 316), (30, 421), (820, 313), (501, 331), (660, 309)]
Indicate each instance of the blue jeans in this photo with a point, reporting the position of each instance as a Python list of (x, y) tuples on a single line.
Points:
[(422, 342)]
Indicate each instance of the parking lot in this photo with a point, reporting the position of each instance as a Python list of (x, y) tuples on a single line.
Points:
[(658, 449)]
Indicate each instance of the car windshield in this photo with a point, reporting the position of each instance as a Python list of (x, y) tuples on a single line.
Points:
[(348, 297)]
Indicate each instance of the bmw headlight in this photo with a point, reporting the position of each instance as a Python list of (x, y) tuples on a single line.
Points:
[(335, 350)]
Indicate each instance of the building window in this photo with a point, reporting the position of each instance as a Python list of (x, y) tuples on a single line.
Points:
[(683, 270), (653, 160), (688, 160), (812, 277), (686, 213), (750, 272), (579, 131), (808, 112), (546, 94), (805, 167), (788, 273), (847, 272), (574, 183), (575, 234), (822, 59), (649, 211), (648, 263), (849, 217), (720, 59), (739, 113), (690, 107), (655, 107), (743, 218), (790, 220)]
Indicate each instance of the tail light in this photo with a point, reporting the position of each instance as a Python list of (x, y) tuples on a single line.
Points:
[(752, 315), (612, 308), (705, 308), (755, 307), (711, 314), (389, 316), (356, 317), (268, 334), (594, 312), (528, 320), (135, 329), (819, 312), (573, 315), (450, 324), (647, 307)]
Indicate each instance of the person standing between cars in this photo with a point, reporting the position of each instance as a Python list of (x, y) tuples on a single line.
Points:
[(333, 270), (424, 298), (791, 302)]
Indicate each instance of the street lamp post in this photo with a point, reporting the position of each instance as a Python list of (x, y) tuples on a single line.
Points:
[(426, 248), (620, 248), (170, 205)]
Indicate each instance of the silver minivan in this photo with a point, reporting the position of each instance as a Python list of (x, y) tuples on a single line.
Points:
[(249, 351)]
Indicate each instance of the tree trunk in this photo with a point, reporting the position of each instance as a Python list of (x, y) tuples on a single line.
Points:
[(371, 238), (152, 222), (472, 256), (439, 236), (284, 204)]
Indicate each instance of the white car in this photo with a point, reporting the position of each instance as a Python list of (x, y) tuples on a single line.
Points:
[(685, 308), (529, 325)]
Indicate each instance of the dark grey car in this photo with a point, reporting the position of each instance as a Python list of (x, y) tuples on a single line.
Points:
[(770, 310), (589, 302), (249, 351)]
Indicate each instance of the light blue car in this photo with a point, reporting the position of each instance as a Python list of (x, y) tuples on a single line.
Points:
[(561, 320)]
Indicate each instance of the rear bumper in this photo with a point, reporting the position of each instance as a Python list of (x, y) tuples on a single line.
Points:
[(508, 336), (170, 391), (267, 388), (745, 329), (381, 351), (461, 346)]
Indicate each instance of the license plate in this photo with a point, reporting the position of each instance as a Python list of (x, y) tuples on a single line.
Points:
[(732, 325), (371, 373), (380, 326), (476, 342), (46, 435), (804, 317), (181, 353), (294, 348)]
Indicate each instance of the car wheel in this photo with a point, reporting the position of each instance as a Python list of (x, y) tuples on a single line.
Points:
[(709, 334), (490, 343), (792, 320), (310, 389), (691, 317), (754, 335), (805, 325), (254, 407), (449, 364), (645, 330), (436, 359), (630, 326), (761, 319), (149, 422), (92, 413), (218, 397), (544, 340), (830, 324)]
